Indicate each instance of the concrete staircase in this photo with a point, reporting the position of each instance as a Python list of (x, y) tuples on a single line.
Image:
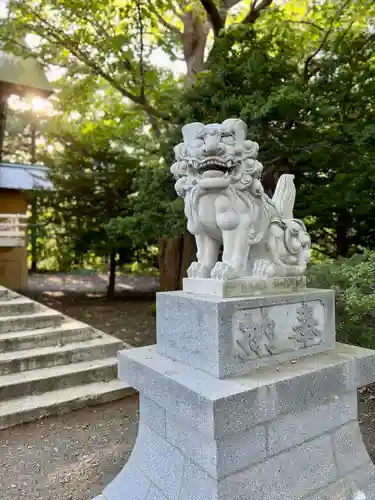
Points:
[(51, 364)]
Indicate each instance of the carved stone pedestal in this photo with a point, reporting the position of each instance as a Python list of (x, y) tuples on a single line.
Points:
[(228, 336), (281, 424)]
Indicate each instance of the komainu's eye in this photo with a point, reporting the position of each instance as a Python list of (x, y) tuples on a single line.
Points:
[(228, 139), (197, 143)]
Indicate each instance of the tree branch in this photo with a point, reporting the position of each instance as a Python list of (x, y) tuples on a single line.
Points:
[(228, 4), (16, 43), (163, 21), (214, 15), (341, 39), (323, 40), (256, 10), (175, 11), (309, 23), (142, 93), (55, 35)]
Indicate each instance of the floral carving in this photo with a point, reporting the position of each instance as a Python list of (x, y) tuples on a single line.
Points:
[(306, 331)]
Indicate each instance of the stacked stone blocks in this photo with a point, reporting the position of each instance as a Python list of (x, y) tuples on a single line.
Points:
[(288, 431)]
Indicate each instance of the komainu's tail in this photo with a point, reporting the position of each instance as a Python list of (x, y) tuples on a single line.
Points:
[(285, 195)]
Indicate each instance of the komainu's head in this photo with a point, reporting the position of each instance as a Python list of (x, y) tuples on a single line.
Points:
[(215, 156)]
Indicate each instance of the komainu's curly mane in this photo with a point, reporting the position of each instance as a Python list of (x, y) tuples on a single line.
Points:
[(219, 176)]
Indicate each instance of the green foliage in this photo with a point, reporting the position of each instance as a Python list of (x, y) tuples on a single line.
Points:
[(155, 210), (93, 179), (110, 105), (306, 93), (302, 77), (95, 42), (354, 282)]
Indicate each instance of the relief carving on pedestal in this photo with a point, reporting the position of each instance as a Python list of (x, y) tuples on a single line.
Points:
[(255, 338), (306, 331), (258, 337)]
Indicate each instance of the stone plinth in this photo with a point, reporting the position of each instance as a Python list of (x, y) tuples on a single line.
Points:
[(288, 432), (244, 287), (227, 336)]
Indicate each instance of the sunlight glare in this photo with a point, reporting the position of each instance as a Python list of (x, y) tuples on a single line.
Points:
[(3, 9), (40, 105), (32, 40)]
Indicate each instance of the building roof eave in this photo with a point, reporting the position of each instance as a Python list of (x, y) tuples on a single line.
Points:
[(25, 177)]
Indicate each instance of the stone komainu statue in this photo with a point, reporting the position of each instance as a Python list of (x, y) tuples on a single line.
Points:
[(218, 175)]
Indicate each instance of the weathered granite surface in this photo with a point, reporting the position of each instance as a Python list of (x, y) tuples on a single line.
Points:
[(227, 336), (269, 435), (244, 287)]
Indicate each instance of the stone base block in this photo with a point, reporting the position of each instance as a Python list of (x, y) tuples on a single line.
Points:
[(272, 435), (244, 287), (224, 336)]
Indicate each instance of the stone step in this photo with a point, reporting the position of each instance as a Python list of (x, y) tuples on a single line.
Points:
[(55, 378), (41, 319), (44, 357), (15, 306), (6, 294), (29, 408), (69, 331)]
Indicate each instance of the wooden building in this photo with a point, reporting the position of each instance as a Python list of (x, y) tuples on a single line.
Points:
[(16, 181), (18, 76)]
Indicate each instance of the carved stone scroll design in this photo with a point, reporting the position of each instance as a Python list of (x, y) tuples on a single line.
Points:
[(255, 338), (306, 332), (269, 331), (250, 333)]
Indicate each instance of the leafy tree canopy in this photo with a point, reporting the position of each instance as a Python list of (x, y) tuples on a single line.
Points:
[(303, 81), (300, 73)]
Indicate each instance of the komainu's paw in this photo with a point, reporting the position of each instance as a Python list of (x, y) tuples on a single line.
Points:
[(197, 270), (223, 272), (193, 270)]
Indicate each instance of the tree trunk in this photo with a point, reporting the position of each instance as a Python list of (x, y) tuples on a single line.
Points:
[(194, 39), (342, 241), (34, 235), (176, 255), (3, 117), (112, 276)]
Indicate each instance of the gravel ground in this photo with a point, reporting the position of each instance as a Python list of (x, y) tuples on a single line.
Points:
[(127, 319), (82, 296), (90, 282), (71, 457)]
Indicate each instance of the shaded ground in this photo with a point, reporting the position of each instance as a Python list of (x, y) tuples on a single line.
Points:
[(128, 317), (74, 456), (90, 282), (367, 418), (71, 457)]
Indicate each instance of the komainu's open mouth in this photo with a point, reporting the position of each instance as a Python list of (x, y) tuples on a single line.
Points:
[(215, 165)]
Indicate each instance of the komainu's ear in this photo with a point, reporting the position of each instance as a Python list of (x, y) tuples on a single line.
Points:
[(237, 126), (191, 130)]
